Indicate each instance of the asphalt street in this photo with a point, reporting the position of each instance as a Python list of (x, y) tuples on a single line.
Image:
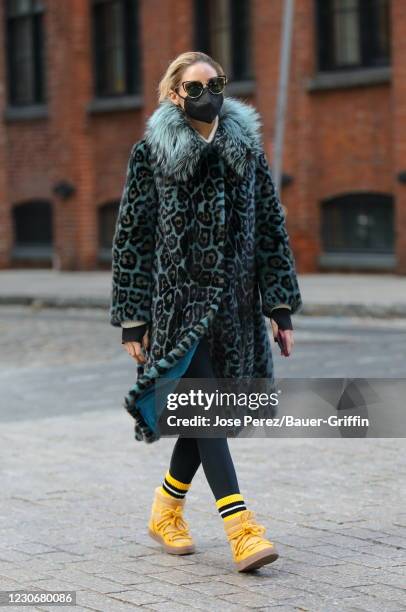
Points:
[(68, 361), (76, 488)]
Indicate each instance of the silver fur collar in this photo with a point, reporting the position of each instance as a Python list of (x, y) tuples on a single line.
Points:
[(176, 146)]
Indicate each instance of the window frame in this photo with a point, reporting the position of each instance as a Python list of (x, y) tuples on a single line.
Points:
[(35, 17), (42, 247), (202, 37), (324, 18), (356, 202), (131, 44)]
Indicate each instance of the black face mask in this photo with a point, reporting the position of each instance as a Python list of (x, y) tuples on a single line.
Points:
[(205, 108)]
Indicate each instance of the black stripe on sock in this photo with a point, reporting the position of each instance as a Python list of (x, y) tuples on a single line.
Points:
[(180, 491), (165, 485), (230, 505), (230, 512)]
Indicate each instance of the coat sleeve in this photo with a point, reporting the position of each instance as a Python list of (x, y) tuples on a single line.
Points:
[(134, 242), (275, 262)]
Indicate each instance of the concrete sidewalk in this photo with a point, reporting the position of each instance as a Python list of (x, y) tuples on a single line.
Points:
[(76, 518), (377, 295)]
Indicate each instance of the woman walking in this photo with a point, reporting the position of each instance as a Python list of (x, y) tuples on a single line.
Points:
[(200, 257)]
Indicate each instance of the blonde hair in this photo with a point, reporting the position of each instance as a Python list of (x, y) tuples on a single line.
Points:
[(173, 75)]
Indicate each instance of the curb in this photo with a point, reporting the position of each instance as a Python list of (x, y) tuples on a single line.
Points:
[(53, 302), (309, 310), (377, 311)]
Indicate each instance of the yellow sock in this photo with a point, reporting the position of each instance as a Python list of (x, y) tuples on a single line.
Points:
[(173, 487), (230, 506)]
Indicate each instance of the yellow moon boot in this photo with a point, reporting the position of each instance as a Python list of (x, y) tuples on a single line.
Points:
[(250, 550), (167, 525)]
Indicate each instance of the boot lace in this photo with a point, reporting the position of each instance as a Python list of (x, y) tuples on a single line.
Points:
[(173, 524), (247, 536)]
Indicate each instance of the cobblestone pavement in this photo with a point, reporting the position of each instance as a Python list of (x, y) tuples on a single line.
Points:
[(76, 488)]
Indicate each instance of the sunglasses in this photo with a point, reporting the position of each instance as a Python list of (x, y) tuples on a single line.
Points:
[(194, 89)]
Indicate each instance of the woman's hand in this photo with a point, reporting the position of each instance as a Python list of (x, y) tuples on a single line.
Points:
[(134, 349), (282, 329), (285, 338)]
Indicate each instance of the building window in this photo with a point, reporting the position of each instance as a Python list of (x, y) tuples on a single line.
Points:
[(116, 47), (33, 235), (358, 223), (223, 31), (353, 34), (25, 52)]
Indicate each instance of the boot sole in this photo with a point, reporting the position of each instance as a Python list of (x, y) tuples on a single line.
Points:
[(257, 560), (172, 550)]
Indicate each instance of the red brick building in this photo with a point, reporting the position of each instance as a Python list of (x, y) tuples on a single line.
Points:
[(79, 78)]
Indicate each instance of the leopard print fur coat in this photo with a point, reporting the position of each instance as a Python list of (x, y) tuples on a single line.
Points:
[(200, 247)]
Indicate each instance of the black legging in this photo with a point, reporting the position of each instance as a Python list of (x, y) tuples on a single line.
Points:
[(212, 453)]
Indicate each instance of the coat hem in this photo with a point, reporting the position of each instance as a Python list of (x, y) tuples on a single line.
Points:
[(143, 431)]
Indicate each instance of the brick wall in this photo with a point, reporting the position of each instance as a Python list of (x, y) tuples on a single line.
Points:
[(336, 141)]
